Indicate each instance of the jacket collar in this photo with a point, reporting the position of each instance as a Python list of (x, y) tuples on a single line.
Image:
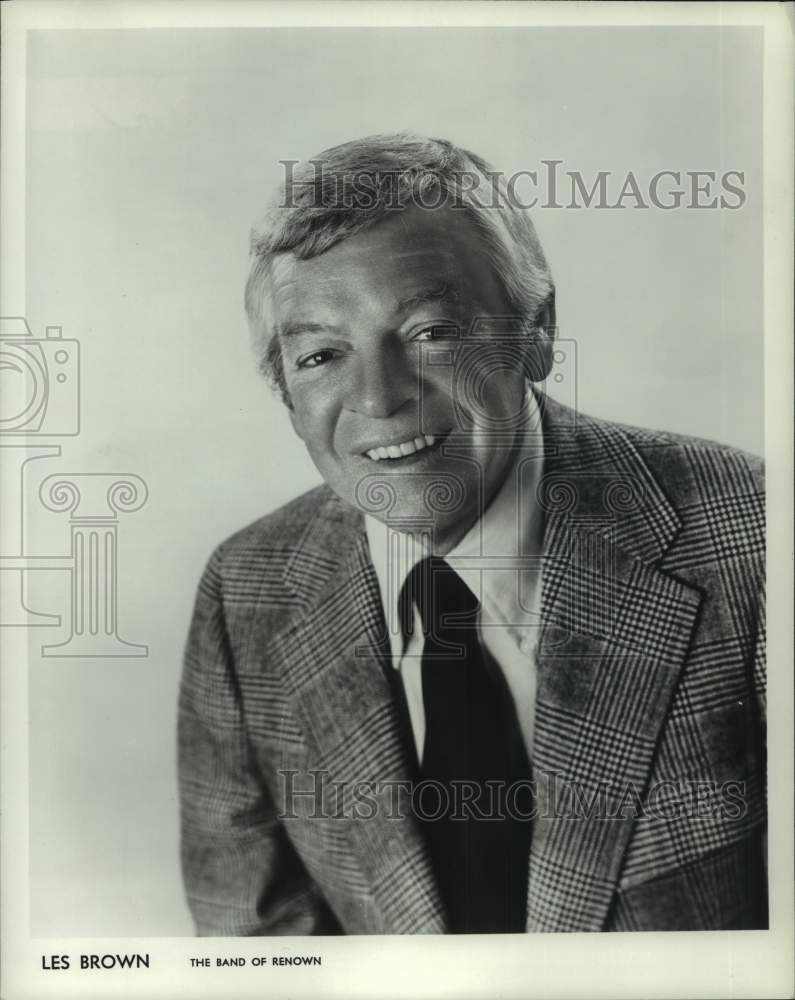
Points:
[(615, 631)]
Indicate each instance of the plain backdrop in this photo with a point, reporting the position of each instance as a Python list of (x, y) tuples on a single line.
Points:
[(149, 155)]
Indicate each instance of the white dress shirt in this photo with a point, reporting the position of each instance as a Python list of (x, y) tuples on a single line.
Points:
[(499, 560)]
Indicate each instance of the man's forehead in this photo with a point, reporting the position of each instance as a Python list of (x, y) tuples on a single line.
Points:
[(395, 257)]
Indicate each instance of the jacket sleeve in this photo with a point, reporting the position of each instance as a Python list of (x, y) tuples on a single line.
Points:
[(759, 664), (760, 692), (241, 874)]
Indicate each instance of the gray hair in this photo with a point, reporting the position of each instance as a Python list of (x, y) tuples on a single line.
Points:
[(348, 188)]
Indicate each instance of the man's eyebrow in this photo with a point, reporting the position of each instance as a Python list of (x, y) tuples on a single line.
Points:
[(294, 329), (438, 293)]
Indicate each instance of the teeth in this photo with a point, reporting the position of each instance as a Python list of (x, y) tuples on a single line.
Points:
[(402, 449)]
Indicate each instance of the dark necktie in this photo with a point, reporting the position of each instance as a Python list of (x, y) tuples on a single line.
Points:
[(473, 754)]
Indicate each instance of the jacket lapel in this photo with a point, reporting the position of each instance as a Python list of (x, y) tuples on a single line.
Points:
[(615, 632), (341, 687)]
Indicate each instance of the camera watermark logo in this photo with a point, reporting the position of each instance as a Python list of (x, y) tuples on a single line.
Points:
[(40, 400), (40, 381), (479, 373), (474, 362)]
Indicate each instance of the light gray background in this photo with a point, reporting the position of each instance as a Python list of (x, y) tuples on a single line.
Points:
[(149, 154)]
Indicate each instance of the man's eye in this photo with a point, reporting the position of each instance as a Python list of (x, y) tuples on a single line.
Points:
[(315, 359), (437, 331)]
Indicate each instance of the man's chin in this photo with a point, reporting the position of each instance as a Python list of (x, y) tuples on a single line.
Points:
[(434, 507)]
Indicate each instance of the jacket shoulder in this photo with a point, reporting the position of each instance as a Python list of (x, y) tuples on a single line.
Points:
[(714, 492), (694, 469), (277, 533), (681, 463), (718, 494), (247, 573)]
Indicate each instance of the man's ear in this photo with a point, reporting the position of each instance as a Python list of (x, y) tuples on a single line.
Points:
[(540, 352)]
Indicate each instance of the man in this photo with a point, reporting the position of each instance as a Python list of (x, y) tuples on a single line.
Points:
[(503, 672)]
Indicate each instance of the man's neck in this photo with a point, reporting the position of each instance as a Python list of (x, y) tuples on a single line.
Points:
[(445, 543)]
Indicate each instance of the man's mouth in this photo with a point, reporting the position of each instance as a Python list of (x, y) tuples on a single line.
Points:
[(403, 449)]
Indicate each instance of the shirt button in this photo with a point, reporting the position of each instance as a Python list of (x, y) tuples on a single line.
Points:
[(526, 644)]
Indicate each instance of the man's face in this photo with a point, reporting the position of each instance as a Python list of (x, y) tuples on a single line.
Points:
[(358, 325)]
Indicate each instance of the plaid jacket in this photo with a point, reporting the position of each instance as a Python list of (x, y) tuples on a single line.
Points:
[(649, 752)]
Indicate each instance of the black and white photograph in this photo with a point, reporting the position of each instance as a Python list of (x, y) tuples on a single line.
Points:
[(397, 500)]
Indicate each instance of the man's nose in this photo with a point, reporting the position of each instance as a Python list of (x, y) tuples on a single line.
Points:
[(383, 381)]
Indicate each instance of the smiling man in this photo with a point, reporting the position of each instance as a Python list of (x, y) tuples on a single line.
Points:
[(504, 671), (353, 324)]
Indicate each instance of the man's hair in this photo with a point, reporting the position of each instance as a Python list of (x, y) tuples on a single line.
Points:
[(351, 187)]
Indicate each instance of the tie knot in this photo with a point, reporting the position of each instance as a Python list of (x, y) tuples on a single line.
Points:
[(444, 601)]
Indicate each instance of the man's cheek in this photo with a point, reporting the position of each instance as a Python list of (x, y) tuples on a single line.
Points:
[(437, 399), (307, 413), (298, 418)]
